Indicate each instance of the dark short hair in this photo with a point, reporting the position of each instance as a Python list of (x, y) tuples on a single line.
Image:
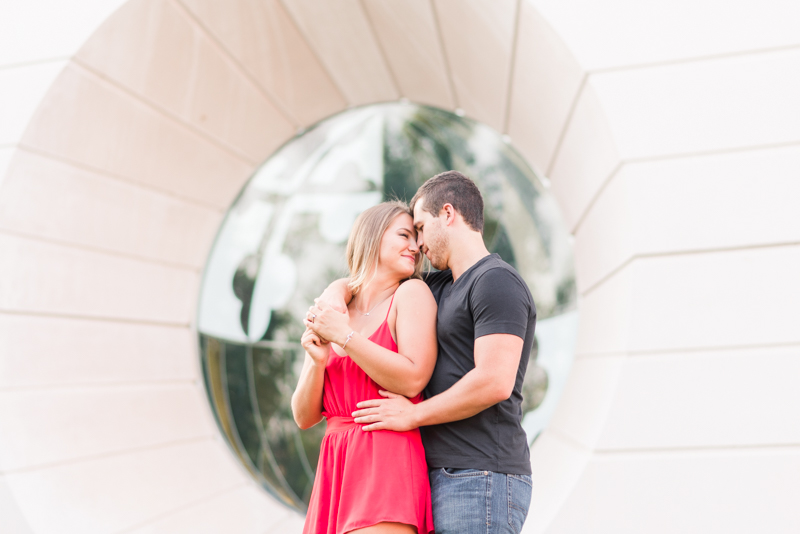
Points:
[(452, 187)]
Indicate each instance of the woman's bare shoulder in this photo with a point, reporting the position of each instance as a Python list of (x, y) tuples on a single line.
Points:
[(415, 290)]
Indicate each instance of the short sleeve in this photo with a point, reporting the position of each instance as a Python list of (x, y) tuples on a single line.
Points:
[(501, 304)]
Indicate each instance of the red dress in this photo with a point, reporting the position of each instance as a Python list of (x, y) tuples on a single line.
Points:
[(364, 478)]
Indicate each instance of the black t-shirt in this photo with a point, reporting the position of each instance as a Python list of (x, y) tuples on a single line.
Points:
[(489, 298)]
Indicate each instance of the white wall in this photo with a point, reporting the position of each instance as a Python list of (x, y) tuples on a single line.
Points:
[(670, 132), (680, 403)]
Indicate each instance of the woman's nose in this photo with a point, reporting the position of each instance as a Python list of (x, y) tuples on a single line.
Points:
[(413, 247)]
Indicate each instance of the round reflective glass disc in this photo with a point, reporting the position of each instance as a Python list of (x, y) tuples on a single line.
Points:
[(283, 240)]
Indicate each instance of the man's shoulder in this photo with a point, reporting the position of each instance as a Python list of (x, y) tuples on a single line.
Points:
[(498, 279), (494, 269)]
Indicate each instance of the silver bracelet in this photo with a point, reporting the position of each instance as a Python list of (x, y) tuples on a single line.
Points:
[(349, 337)]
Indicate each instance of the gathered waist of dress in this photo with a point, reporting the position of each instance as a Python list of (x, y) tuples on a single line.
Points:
[(343, 423), (339, 424)]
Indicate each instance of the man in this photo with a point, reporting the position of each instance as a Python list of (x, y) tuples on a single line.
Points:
[(476, 449)]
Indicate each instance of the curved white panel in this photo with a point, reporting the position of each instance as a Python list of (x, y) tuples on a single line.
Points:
[(341, 36), (266, 41), (619, 33), (478, 38)]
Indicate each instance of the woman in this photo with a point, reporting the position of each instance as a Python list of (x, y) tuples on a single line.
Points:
[(371, 482)]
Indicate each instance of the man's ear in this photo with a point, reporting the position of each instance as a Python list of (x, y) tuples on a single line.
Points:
[(449, 214)]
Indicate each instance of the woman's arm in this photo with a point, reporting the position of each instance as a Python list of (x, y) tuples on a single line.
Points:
[(307, 397), (407, 371)]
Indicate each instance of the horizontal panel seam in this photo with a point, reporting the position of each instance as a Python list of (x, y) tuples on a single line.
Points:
[(120, 178), (695, 59), (667, 157), (100, 318), (711, 152), (680, 350), (119, 385), (682, 253), (183, 507), (97, 250), (34, 62), (698, 449), (167, 114), (111, 454)]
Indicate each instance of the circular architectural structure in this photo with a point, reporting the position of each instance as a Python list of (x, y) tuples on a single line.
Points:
[(668, 130)]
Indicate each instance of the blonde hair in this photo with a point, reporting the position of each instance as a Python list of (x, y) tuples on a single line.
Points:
[(364, 245)]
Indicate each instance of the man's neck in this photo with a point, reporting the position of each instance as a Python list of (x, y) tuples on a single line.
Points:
[(466, 253)]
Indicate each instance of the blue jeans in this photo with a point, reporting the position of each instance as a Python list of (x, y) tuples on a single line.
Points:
[(468, 501)]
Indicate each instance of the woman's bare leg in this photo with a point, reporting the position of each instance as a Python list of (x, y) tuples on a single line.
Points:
[(386, 528)]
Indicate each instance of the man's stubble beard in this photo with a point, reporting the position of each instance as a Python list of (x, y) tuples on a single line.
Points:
[(436, 248)]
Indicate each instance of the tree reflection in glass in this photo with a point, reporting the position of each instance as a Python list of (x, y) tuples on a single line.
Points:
[(283, 241)]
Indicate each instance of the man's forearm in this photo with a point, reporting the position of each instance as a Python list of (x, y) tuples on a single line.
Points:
[(491, 381), (472, 394), (392, 370), (337, 292)]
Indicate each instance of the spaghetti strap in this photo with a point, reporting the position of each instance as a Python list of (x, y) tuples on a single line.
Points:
[(390, 307)]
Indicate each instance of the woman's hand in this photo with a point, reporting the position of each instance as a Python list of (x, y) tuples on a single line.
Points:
[(315, 347), (328, 323)]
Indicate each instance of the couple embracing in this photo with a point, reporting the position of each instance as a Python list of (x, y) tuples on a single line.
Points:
[(419, 375)]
